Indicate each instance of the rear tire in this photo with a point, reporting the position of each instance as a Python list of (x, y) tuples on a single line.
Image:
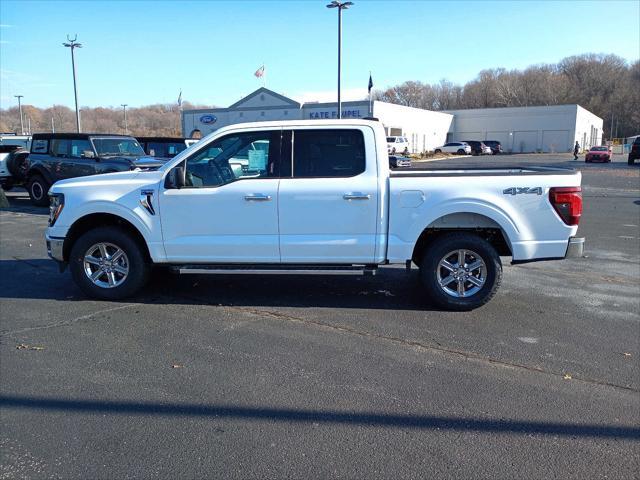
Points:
[(38, 187), (438, 150), (630, 161), (460, 152), (108, 264), (456, 286)]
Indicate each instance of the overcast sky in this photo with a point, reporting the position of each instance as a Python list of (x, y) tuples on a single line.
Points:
[(146, 52)]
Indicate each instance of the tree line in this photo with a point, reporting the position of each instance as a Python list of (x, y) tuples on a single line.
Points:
[(606, 85), (151, 120)]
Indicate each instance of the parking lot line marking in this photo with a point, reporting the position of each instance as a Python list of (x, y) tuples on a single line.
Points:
[(626, 236), (629, 225)]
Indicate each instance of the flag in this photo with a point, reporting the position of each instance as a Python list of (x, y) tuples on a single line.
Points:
[(259, 72), (370, 83), (180, 99)]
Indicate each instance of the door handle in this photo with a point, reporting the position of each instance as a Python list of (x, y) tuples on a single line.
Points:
[(257, 197), (356, 196)]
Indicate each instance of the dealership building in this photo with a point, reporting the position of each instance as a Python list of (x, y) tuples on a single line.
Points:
[(519, 129)]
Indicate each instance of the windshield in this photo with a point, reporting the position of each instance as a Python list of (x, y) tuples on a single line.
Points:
[(599, 149), (163, 149), (118, 146)]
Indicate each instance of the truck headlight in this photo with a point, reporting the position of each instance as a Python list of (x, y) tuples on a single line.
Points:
[(56, 204)]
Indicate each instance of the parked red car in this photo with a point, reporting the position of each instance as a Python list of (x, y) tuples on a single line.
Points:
[(598, 154)]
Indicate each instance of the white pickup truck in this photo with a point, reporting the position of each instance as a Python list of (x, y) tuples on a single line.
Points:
[(311, 197)]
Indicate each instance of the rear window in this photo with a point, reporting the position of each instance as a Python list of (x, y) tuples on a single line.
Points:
[(391, 139), (40, 146), (328, 153), (599, 149)]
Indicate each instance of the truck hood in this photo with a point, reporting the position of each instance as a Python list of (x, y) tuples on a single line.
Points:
[(107, 180), (145, 162)]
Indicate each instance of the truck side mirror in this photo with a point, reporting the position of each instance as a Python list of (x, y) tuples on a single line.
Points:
[(175, 178)]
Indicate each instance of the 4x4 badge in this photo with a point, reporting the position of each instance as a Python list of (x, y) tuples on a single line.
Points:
[(521, 190)]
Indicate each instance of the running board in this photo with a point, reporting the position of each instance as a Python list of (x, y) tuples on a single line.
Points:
[(275, 269)]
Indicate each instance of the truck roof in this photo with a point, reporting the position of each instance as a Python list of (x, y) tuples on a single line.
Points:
[(75, 136), (161, 139), (304, 123)]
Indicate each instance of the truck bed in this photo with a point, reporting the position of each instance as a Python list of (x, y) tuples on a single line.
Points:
[(481, 171)]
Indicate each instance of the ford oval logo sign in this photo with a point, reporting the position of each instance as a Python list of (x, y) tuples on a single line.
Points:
[(208, 119)]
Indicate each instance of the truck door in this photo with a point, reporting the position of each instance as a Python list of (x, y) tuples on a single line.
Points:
[(228, 210), (329, 207)]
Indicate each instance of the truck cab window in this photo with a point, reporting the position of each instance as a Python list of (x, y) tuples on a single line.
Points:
[(235, 157), (328, 153)]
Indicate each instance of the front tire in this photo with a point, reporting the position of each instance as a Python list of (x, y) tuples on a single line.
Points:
[(460, 271), (629, 160), (460, 152), (108, 264), (38, 187), (438, 151)]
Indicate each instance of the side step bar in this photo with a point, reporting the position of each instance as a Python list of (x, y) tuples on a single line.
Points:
[(286, 269)]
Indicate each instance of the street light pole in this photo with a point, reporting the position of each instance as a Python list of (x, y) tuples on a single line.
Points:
[(340, 6), (20, 108), (73, 45), (124, 107)]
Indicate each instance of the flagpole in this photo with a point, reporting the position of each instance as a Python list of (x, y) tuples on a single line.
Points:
[(370, 107), (264, 76)]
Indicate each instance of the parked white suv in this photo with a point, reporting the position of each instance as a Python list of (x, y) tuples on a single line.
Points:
[(461, 148), (397, 145)]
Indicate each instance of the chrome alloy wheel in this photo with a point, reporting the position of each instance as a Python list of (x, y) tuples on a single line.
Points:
[(461, 273), (106, 265)]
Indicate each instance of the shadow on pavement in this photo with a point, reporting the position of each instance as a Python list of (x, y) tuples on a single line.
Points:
[(426, 422), (392, 288)]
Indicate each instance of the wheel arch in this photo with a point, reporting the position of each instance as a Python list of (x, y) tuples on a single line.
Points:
[(475, 223), (40, 170), (101, 219)]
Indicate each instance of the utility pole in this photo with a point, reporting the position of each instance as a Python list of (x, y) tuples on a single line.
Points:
[(72, 44), (340, 6), (20, 108), (124, 107)]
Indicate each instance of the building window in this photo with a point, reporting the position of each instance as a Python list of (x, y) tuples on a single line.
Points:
[(262, 97), (241, 114), (262, 114), (286, 112)]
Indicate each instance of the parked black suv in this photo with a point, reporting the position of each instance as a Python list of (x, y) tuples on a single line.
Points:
[(162, 147), (56, 156), (634, 153), (476, 146), (494, 145)]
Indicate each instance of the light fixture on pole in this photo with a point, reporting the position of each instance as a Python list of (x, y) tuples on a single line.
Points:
[(124, 107), (20, 108), (340, 6), (72, 44)]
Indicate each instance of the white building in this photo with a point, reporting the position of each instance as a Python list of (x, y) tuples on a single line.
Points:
[(424, 129), (519, 129), (529, 129)]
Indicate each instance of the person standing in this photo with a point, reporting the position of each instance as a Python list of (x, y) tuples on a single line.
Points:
[(576, 149)]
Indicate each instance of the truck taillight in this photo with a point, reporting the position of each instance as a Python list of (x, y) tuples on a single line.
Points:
[(567, 202)]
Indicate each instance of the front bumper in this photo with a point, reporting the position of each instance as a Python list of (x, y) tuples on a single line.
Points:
[(575, 248), (55, 248)]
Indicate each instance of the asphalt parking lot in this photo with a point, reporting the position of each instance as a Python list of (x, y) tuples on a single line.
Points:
[(297, 377)]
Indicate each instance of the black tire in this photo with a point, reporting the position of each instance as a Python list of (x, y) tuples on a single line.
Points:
[(438, 150), (451, 242), (38, 187), (17, 164), (134, 259), (460, 151), (630, 160)]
